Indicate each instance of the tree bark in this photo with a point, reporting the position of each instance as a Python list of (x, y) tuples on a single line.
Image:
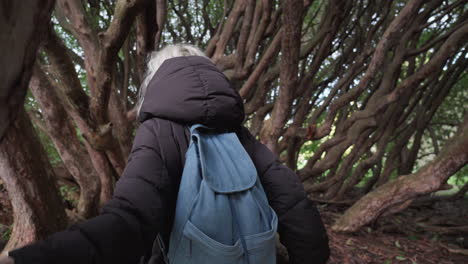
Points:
[(21, 24), (31, 185), (24, 167), (63, 134), (290, 50)]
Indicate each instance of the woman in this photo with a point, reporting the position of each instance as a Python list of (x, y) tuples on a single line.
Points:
[(182, 87)]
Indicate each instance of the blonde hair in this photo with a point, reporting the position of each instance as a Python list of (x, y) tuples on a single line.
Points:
[(156, 59)]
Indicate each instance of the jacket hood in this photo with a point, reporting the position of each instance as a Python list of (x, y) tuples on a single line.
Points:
[(191, 90)]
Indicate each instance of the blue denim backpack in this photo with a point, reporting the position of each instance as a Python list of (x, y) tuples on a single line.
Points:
[(222, 213)]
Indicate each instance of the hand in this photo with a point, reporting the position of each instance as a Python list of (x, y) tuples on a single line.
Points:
[(6, 260)]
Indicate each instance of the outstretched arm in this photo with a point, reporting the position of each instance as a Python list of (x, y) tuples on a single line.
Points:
[(6, 260), (128, 224)]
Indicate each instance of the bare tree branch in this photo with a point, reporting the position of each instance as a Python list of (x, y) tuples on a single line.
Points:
[(371, 206)]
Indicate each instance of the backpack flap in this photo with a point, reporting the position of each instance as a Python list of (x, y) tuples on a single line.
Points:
[(226, 166)]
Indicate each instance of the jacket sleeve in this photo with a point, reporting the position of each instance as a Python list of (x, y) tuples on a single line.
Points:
[(300, 226), (127, 225)]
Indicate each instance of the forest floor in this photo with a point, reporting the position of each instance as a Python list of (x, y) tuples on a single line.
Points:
[(434, 234)]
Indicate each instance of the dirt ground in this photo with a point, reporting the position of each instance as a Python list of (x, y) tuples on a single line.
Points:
[(432, 234)]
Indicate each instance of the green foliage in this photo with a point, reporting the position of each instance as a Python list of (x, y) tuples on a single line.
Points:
[(365, 179), (397, 244), (444, 126), (31, 106), (460, 178), (68, 193), (452, 110), (306, 152), (312, 18), (188, 23), (50, 149), (99, 14), (75, 50), (400, 258), (6, 232)]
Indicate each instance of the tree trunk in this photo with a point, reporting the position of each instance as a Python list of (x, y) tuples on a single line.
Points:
[(392, 194), (31, 185), (290, 49), (20, 25), (24, 167), (63, 134)]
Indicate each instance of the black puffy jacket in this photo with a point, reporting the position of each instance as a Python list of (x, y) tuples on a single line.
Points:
[(184, 91)]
